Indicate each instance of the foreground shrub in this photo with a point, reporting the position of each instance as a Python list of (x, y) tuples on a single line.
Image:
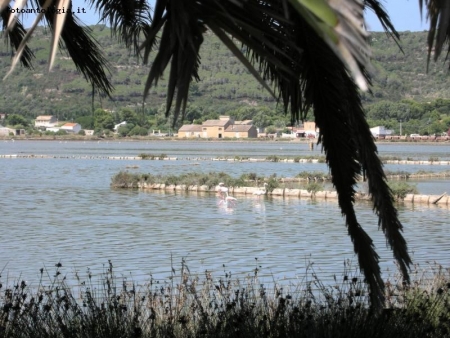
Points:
[(188, 305)]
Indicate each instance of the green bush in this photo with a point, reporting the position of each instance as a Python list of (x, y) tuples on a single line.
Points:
[(314, 187), (400, 189)]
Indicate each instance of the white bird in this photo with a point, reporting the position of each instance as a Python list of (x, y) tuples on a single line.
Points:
[(228, 201), (260, 192), (222, 189)]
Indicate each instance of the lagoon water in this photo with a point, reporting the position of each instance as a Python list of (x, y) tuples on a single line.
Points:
[(63, 210)]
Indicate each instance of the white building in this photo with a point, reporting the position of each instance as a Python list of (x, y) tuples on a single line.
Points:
[(72, 128), (45, 121), (380, 131)]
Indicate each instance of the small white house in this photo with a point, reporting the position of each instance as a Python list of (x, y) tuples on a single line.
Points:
[(72, 128), (45, 121), (380, 131)]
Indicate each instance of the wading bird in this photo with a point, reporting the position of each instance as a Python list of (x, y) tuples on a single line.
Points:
[(221, 189), (228, 201), (260, 192)]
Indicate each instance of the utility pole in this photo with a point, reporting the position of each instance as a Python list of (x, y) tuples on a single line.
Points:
[(400, 127)]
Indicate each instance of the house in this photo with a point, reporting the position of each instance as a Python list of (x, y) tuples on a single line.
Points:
[(45, 121), (72, 128), (310, 129), (240, 131), (190, 130), (3, 116), (223, 127), (380, 131), (216, 128), (4, 131)]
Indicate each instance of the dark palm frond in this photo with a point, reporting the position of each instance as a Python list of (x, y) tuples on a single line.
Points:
[(439, 33), (326, 85), (381, 195), (180, 44), (128, 19), (158, 20), (90, 62), (15, 36), (380, 12)]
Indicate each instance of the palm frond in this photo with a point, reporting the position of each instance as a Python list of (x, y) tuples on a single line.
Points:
[(128, 19), (3, 5), (23, 44), (326, 85), (383, 17), (381, 195), (58, 27), (18, 4), (90, 62), (340, 23), (180, 44), (439, 16), (16, 35)]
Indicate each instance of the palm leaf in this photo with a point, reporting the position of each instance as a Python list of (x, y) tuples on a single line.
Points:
[(16, 37), (19, 4), (58, 27), (128, 19), (383, 17), (439, 16), (90, 62), (22, 47)]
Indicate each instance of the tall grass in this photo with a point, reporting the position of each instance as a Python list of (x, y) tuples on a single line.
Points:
[(188, 305)]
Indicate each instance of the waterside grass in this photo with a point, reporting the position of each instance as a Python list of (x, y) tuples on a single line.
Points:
[(188, 305), (312, 181)]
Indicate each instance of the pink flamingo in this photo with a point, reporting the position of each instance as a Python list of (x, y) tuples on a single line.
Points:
[(228, 201), (221, 189)]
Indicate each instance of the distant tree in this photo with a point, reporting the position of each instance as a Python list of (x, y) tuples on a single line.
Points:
[(86, 122), (138, 131), (17, 120), (128, 115), (103, 120)]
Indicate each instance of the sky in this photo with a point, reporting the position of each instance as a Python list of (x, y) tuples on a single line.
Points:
[(404, 14)]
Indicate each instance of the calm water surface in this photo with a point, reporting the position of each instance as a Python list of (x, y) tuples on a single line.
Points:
[(64, 210)]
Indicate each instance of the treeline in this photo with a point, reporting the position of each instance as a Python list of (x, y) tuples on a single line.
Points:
[(403, 92), (424, 118)]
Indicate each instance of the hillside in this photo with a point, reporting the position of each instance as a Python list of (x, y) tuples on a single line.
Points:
[(225, 83)]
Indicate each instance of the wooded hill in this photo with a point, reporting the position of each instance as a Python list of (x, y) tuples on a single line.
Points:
[(225, 84)]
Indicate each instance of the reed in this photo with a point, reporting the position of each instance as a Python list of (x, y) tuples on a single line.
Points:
[(189, 305)]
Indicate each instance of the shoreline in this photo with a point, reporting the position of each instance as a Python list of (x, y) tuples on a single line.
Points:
[(442, 200), (77, 138)]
